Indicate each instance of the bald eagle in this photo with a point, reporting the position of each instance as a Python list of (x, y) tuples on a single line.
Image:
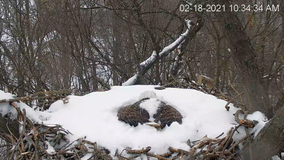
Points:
[(134, 114)]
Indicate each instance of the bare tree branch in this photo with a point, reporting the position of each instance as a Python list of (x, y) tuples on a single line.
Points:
[(148, 63)]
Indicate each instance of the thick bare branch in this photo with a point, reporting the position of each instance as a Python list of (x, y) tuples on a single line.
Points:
[(148, 63)]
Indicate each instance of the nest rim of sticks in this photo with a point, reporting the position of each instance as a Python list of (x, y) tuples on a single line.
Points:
[(35, 139)]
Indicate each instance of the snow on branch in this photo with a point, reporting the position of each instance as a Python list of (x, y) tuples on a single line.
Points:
[(130, 81), (148, 63), (149, 60), (177, 42)]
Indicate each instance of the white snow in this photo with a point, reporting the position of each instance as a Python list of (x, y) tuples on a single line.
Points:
[(5, 108), (178, 41), (130, 81), (163, 53), (151, 106), (275, 158), (95, 116), (262, 121), (149, 60), (50, 149), (87, 156)]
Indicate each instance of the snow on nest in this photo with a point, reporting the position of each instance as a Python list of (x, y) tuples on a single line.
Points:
[(95, 116), (5, 109)]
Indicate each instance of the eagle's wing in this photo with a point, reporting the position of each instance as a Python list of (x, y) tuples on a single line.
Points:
[(166, 115), (133, 114)]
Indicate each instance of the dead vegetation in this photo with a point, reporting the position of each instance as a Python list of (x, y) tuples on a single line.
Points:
[(38, 141), (205, 148)]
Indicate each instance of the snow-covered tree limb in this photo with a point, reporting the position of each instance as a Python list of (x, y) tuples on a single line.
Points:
[(148, 63), (178, 59)]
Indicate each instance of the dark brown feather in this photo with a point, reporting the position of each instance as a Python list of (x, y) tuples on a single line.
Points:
[(133, 114), (166, 115)]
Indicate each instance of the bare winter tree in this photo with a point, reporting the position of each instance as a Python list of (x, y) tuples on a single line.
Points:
[(270, 140), (91, 45)]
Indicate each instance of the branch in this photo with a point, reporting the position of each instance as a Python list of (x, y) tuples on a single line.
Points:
[(148, 63), (244, 122), (280, 102), (39, 95), (178, 59)]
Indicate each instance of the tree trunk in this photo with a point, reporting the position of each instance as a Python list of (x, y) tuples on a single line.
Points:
[(255, 94), (269, 142), (117, 46), (218, 64)]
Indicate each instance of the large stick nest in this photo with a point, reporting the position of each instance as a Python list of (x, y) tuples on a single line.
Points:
[(38, 141)]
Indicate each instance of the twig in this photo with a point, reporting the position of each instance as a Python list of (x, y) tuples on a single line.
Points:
[(244, 122), (141, 151), (231, 100)]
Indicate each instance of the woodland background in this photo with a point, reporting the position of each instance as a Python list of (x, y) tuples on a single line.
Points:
[(91, 45)]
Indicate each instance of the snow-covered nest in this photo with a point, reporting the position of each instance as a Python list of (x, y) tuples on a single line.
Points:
[(94, 116)]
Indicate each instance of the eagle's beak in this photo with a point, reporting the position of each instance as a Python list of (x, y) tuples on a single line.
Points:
[(155, 125)]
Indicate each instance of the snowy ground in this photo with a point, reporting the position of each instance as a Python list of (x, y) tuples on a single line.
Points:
[(95, 116)]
